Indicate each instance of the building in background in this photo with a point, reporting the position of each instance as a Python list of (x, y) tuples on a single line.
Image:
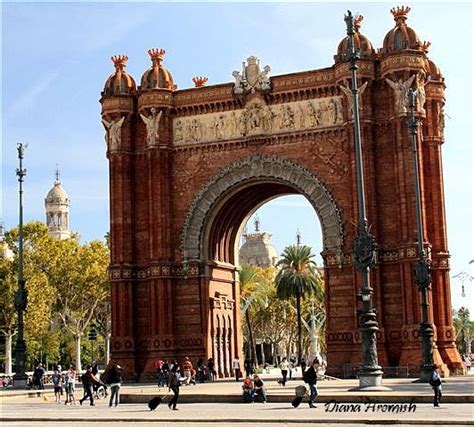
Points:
[(257, 249), (57, 211)]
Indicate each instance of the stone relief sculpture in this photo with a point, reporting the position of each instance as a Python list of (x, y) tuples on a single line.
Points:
[(252, 78), (348, 94), (152, 126), (114, 135), (195, 130), (258, 118), (400, 89), (420, 92)]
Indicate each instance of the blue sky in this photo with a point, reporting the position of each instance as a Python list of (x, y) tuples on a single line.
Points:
[(56, 58)]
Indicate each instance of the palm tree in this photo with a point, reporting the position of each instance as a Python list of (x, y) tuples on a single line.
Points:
[(298, 278), (248, 277), (463, 326)]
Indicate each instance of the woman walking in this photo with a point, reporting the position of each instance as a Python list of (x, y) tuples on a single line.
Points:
[(115, 379), (174, 381)]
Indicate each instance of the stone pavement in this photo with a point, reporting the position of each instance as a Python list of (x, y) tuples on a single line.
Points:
[(219, 403)]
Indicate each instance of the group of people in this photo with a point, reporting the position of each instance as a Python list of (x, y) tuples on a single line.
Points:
[(192, 374)]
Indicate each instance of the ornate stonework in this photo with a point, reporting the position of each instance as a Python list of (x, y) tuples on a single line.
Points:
[(264, 168), (258, 119)]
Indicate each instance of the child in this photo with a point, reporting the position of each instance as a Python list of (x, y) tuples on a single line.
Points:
[(57, 382)]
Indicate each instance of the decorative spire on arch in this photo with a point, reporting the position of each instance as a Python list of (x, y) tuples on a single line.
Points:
[(400, 14)]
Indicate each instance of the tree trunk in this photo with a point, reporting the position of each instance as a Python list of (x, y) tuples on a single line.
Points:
[(253, 350), (77, 339), (8, 353), (298, 315), (107, 348)]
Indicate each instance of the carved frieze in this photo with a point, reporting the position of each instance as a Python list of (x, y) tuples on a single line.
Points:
[(257, 118)]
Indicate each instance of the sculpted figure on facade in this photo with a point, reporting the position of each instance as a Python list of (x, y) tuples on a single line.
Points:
[(314, 114), (178, 132), (287, 120), (252, 78), (348, 94), (400, 89), (256, 118), (219, 126), (420, 92), (195, 130), (152, 126), (114, 133)]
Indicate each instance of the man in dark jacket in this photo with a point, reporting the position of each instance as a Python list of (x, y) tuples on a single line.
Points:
[(88, 381), (310, 377), (174, 381)]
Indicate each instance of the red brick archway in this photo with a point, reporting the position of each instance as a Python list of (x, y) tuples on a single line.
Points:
[(188, 166)]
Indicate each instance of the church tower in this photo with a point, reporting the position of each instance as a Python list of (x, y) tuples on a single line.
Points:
[(57, 211)]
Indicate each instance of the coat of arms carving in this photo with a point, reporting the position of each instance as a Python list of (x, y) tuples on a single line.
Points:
[(251, 78)]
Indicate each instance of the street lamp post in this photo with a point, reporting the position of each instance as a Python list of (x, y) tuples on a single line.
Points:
[(422, 269), (370, 373), (21, 295)]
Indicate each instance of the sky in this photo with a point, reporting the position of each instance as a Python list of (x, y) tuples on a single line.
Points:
[(56, 58)]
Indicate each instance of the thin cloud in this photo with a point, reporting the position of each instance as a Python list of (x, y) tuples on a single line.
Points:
[(28, 99)]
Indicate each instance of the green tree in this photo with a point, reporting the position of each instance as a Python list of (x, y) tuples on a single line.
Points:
[(37, 245), (464, 329), (8, 286), (79, 276), (298, 278)]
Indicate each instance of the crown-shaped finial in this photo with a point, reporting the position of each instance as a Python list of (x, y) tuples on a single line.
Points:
[(358, 22), (200, 81), (400, 14), (425, 46), (120, 61), (156, 54)]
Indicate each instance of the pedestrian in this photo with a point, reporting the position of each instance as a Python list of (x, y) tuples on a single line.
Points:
[(291, 366), (174, 381), (303, 366), (259, 388), (435, 383), (310, 377), (57, 383), (115, 379), (159, 372), (248, 366), (88, 381), (210, 369), (284, 371), (38, 377), (236, 365), (70, 380), (188, 371)]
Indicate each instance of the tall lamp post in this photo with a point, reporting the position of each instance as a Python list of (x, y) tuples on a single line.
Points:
[(422, 269), (370, 373), (21, 295)]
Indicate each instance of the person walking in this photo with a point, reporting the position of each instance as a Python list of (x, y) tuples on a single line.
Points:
[(187, 369), (88, 381), (310, 377), (435, 383), (236, 366), (303, 366), (248, 366), (174, 381), (284, 365), (115, 379)]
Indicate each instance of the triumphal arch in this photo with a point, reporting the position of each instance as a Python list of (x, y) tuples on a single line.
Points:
[(189, 166)]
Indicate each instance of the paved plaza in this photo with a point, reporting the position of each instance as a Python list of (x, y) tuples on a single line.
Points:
[(219, 403)]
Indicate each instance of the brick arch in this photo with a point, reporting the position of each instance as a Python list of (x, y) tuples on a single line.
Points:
[(258, 169)]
